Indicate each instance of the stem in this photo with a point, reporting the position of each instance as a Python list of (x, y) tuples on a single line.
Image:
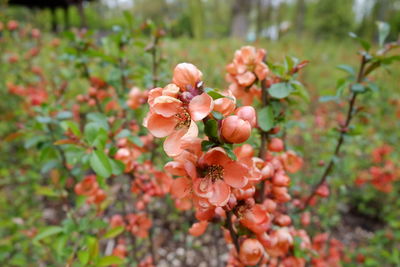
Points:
[(344, 128), (264, 137), (154, 61), (232, 232)]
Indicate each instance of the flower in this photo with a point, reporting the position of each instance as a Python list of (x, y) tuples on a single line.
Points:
[(175, 119), (219, 174)]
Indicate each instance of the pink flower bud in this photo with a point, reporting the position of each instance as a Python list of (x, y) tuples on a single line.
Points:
[(276, 145), (247, 113), (235, 130), (186, 75), (251, 252)]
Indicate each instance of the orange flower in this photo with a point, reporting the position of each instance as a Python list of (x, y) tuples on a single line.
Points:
[(172, 118), (291, 161), (87, 186), (139, 224), (220, 173)]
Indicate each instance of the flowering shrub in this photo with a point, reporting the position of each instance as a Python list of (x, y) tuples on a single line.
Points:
[(120, 172)]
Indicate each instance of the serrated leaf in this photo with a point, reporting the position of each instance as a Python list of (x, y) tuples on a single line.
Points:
[(265, 118), (365, 44), (280, 90), (83, 256), (63, 115), (48, 231), (114, 232), (118, 167), (100, 163)]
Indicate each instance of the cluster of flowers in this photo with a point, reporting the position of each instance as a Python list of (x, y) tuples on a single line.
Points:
[(219, 182), (34, 94), (383, 172), (243, 72), (89, 187), (97, 92)]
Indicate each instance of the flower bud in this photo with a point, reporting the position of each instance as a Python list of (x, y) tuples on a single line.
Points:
[(251, 252), (186, 75), (276, 145), (247, 113), (224, 105), (235, 130)]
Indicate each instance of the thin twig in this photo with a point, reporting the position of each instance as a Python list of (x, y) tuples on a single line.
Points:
[(343, 131)]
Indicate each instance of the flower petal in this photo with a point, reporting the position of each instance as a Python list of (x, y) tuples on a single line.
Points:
[(180, 187), (200, 106), (160, 126), (220, 193), (235, 174), (166, 106), (172, 145)]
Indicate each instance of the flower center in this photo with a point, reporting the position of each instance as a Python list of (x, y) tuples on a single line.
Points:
[(214, 172), (183, 119)]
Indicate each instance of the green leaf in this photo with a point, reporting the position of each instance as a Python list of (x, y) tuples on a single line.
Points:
[(214, 94), (207, 145), (217, 115), (91, 130), (136, 140), (99, 118), (358, 88), (114, 232), (110, 260), (328, 98), (44, 119), (63, 115), (83, 256), (46, 191), (266, 118), (347, 68), (383, 31), (123, 133), (373, 87), (300, 90), (211, 128), (228, 149), (100, 163), (118, 167), (93, 247), (366, 45), (48, 231), (280, 90), (73, 126)]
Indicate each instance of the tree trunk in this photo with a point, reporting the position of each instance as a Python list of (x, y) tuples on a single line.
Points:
[(197, 18), (240, 18), (66, 18), (300, 16), (82, 15), (53, 19), (259, 24)]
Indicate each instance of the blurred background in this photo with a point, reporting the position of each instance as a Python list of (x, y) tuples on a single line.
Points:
[(244, 19)]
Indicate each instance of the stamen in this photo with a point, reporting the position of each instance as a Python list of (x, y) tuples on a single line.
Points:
[(215, 172)]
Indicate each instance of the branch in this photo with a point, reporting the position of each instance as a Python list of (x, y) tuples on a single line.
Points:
[(350, 114)]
